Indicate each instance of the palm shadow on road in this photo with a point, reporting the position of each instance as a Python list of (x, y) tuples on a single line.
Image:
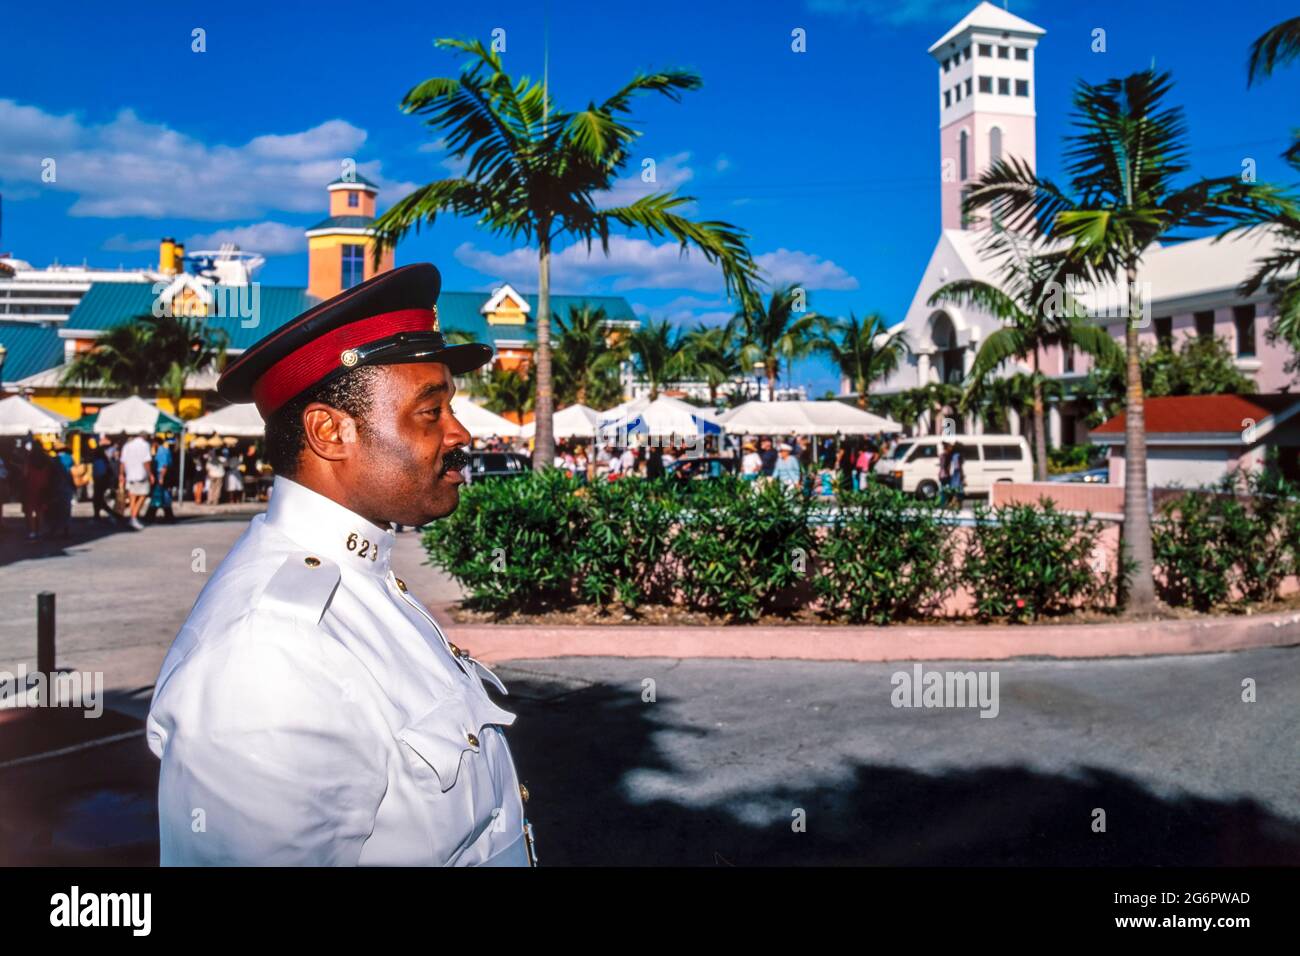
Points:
[(574, 750)]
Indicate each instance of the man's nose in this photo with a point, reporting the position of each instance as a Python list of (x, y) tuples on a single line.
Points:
[(457, 434)]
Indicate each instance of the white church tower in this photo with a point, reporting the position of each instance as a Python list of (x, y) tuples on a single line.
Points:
[(986, 98), (986, 112)]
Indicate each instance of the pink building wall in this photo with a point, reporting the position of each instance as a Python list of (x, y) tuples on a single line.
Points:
[(1017, 140)]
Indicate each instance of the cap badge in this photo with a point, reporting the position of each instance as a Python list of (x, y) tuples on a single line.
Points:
[(434, 309), (349, 357)]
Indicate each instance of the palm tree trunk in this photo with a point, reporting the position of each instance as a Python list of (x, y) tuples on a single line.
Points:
[(1137, 519), (1040, 430), (770, 369), (544, 407), (862, 394)]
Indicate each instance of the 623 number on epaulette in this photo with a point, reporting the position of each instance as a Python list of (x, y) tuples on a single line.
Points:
[(367, 550)]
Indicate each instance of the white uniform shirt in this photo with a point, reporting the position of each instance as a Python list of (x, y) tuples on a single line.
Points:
[(310, 712)]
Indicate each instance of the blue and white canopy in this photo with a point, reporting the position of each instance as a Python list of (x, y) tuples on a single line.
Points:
[(664, 417)]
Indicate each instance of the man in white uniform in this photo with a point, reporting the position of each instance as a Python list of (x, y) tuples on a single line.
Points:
[(310, 711)]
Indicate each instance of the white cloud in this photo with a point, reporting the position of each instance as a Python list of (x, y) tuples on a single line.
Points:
[(640, 264), (454, 166), (268, 238), (670, 172), (129, 166), (810, 271)]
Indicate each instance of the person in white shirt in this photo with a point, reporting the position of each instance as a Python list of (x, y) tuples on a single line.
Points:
[(751, 465), (136, 476)]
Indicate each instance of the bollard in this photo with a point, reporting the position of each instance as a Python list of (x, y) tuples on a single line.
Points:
[(45, 638)]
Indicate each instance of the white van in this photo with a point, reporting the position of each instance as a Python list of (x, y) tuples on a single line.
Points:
[(913, 465)]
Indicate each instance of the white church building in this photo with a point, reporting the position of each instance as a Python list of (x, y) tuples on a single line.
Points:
[(986, 102)]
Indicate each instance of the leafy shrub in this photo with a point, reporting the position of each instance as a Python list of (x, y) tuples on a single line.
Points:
[(627, 527), (1067, 458), (1212, 545), (510, 543), (1023, 562), (743, 546), (885, 556)]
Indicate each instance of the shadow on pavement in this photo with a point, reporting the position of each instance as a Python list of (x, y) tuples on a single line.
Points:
[(574, 749)]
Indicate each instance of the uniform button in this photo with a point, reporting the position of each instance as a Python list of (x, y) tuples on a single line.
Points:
[(311, 562), (401, 585), (523, 793), (473, 741)]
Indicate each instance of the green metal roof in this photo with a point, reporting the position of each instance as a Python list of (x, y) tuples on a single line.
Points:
[(34, 348), (344, 222), (459, 312), (29, 348), (356, 180), (107, 304)]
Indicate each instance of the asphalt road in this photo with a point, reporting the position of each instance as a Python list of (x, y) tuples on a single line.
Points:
[(731, 762)]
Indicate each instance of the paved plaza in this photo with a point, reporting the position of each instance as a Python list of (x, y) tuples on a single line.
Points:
[(720, 762)]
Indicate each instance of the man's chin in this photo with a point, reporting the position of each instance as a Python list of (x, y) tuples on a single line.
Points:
[(447, 501)]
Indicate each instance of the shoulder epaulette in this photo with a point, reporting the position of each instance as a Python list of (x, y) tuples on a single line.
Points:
[(302, 587)]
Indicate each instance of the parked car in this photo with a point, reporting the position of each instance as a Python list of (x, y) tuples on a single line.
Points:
[(709, 466), (485, 465), (1090, 476), (914, 464)]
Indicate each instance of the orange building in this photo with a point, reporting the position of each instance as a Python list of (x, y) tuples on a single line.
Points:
[(340, 248)]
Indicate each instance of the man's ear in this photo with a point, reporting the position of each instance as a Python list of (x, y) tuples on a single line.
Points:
[(331, 434)]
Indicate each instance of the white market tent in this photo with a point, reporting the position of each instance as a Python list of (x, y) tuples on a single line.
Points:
[(480, 422), (575, 421), (18, 416), (239, 421), (664, 416), (134, 416), (805, 418)]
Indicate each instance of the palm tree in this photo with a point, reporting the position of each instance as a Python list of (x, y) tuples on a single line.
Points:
[(864, 351), (148, 353), (533, 173), (1127, 149), (1276, 47), (506, 391), (775, 333), (1003, 395), (1279, 272), (712, 353), (936, 396), (658, 354), (584, 359), (1036, 313)]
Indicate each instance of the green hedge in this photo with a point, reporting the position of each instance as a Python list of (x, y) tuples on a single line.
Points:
[(885, 557), (743, 547), (739, 550), (1230, 541), (1026, 561)]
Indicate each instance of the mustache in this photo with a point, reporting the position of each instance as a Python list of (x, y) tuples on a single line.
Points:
[(454, 460)]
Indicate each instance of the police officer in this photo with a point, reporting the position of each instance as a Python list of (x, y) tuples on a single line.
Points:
[(310, 711)]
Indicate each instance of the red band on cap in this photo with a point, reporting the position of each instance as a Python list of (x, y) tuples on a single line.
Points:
[(304, 367)]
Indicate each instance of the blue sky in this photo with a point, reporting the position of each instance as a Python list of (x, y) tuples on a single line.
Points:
[(827, 158)]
